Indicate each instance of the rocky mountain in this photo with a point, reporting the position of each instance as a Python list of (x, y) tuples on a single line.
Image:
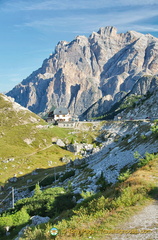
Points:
[(146, 106), (100, 69), (104, 178), (145, 88)]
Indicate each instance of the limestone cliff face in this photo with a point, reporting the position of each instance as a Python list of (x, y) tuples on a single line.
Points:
[(88, 71), (147, 106)]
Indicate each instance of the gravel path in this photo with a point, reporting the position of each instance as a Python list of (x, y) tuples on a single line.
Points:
[(145, 222)]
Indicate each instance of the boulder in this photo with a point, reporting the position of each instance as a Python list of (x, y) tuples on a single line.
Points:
[(60, 143), (76, 147), (14, 179), (36, 220), (66, 159)]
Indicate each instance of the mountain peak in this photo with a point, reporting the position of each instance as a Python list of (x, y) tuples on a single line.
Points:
[(87, 70), (108, 31)]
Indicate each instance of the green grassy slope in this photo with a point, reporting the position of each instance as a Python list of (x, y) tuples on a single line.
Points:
[(27, 139)]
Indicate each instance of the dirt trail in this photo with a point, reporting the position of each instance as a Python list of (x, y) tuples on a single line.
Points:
[(145, 222)]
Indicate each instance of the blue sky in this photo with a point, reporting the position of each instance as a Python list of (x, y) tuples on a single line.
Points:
[(30, 29)]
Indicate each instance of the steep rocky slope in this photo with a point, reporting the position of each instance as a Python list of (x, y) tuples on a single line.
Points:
[(146, 87), (118, 143), (146, 106), (87, 70)]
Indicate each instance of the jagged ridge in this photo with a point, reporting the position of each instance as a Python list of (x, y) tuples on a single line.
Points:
[(88, 70)]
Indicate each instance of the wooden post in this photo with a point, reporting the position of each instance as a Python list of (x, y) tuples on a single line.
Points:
[(54, 174), (13, 197)]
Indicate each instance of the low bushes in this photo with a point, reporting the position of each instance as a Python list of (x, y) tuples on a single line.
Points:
[(67, 175), (16, 219)]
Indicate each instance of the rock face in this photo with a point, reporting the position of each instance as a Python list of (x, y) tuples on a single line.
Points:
[(89, 70), (146, 85), (147, 106)]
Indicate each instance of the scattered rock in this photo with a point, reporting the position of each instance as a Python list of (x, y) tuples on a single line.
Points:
[(60, 143), (14, 179), (66, 159), (21, 232), (148, 133), (36, 220), (34, 173), (29, 181), (29, 141)]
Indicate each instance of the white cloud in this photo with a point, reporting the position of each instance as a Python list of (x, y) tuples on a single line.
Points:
[(86, 23), (41, 5), (142, 28), (136, 2)]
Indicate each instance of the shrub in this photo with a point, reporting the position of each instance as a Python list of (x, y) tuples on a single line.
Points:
[(92, 206), (87, 194), (72, 141), (69, 187), (40, 233), (143, 137), (123, 176), (5, 221), (44, 204), (143, 161), (48, 180), (67, 175), (102, 183), (33, 234), (62, 203), (20, 217), (128, 197), (37, 190), (137, 155), (154, 128)]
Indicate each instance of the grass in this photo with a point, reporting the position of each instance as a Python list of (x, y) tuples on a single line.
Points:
[(35, 155), (98, 212), (106, 210), (115, 205)]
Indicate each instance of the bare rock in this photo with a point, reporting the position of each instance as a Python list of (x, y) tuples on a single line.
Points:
[(60, 143), (89, 73), (36, 220)]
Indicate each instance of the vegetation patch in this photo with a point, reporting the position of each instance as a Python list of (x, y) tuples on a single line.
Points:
[(97, 211)]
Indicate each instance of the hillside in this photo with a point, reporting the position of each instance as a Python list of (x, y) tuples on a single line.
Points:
[(146, 105), (139, 103), (26, 141), (88, 71), (80, 210), (102, 162)]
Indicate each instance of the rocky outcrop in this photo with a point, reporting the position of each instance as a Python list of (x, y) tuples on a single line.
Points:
[(36, 220), (145, 85), (89, 70), (146, 108)]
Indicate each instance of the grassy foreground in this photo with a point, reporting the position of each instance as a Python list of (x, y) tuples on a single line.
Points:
[(97, 214), (105, 210)]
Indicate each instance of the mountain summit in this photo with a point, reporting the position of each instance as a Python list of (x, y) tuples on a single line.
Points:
[(85, 71)]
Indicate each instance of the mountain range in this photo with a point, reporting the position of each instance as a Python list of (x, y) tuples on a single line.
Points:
[(89, 75)]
